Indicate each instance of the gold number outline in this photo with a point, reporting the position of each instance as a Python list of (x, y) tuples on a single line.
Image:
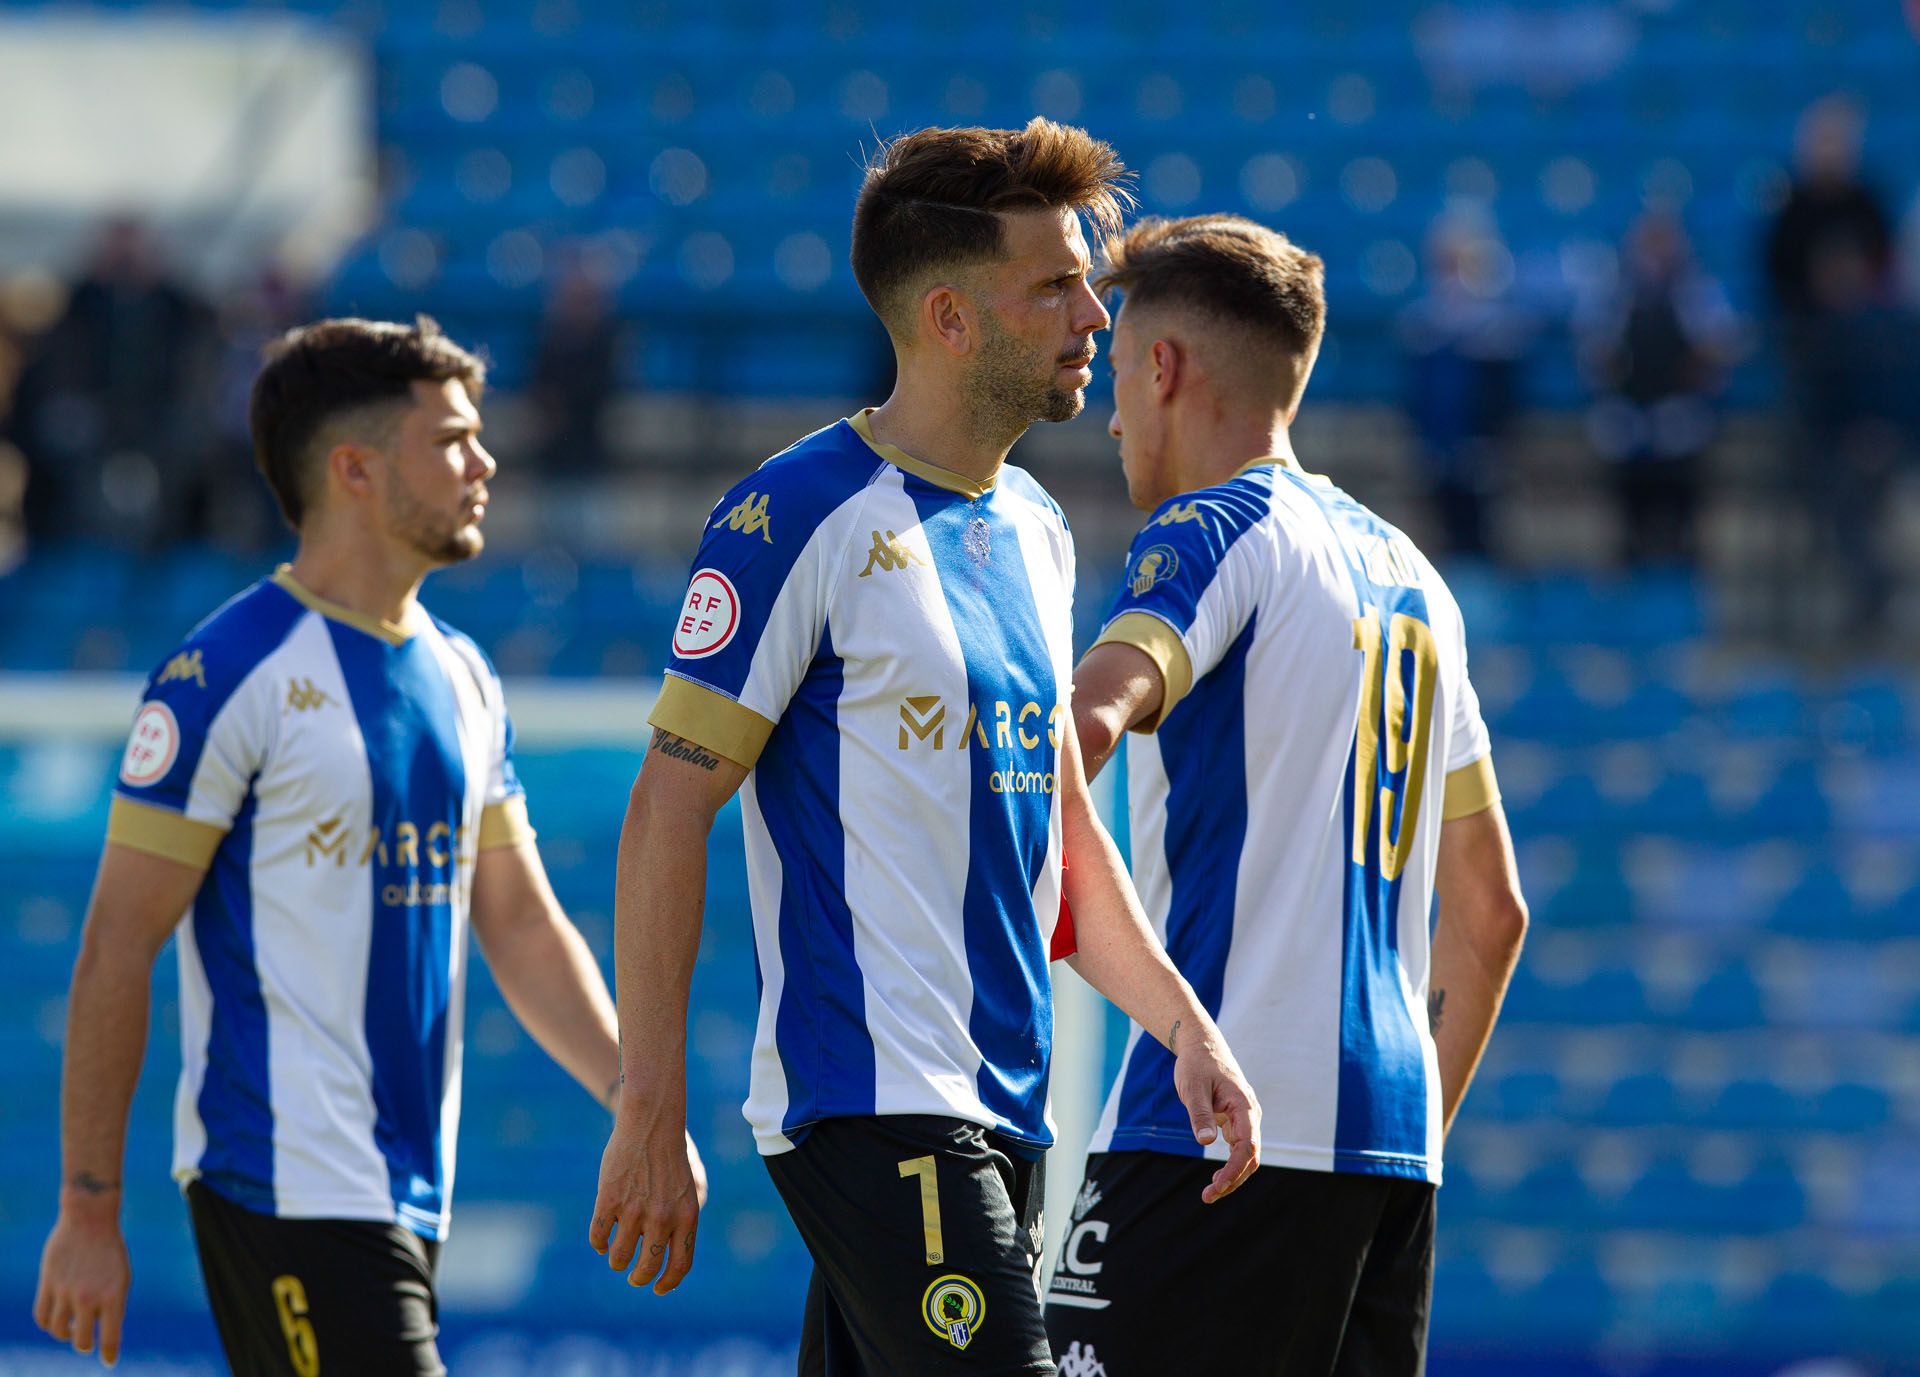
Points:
[(1408, 733), (924, 1168), (303, 1345)]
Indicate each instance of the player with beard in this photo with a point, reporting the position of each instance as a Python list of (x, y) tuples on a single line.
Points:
[(876, 652), (322, 778)]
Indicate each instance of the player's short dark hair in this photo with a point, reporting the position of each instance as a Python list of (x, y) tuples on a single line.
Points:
[(321, 374), (1228, 268), (932, 200)]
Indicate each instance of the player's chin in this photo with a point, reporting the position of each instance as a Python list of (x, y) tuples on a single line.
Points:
[(1063, 404)]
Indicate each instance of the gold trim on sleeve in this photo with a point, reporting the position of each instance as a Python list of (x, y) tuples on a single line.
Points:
[(504, 824), (1470, 789), (162, 832), (710, 719), (919, 468), (1161, 644)]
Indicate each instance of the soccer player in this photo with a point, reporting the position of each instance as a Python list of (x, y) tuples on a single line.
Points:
[(876, 651), (322, 777), (1310, 772)]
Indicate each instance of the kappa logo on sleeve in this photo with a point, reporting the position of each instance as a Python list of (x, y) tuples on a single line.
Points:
[(748, 517), (186, 667), (152, 747), (708, 618), (1176, 514)]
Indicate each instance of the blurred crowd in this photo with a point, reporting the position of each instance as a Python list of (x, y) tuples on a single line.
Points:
[(1656, 336), (123, 392)]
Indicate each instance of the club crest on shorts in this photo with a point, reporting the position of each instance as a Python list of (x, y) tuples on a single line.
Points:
[(954, 1308)]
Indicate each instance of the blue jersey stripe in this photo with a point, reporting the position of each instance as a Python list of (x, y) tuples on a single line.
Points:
[(1010, 821), (1382, 1108), (821, 1025), (234, 1104), (1203, 745), (409, 720)]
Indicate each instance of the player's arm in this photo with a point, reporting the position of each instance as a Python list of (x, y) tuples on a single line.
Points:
[(1119, 957), (1116, 687), (544, 968), (647, 1208), (138, 899), (1482, 923)]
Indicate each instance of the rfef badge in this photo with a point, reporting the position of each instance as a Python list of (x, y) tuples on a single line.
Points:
[(954, 1308)]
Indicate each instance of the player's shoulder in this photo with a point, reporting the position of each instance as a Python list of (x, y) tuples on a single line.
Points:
[(1017, 483), (1213, 519), (465, 649), (218, 655), (783, 501)]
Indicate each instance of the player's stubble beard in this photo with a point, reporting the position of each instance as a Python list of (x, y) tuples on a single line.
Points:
[(1011, 385), (440, 537)]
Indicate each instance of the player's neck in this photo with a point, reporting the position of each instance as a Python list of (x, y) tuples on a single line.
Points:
[(363, 576), (1211, 449), (936, 426)]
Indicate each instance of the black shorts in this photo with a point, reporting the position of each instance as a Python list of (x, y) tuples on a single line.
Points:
[(303, 1297), (1296, 1274), (926, 1238)]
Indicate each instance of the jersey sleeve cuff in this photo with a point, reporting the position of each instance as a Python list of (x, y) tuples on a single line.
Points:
[(504, 824), (1470, 789), (698, 714), (162, 832), (1159, 642)]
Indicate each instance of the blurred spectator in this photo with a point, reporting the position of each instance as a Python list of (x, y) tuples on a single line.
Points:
[(1463, 341), (1845, 344), (1828, 209), (1655, 350), (109, 407), (1860, 416), (237, 508), (575, 373)]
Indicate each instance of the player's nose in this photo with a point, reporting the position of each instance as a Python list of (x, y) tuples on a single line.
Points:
[(480, 464), (1113, 426), (1092, 314)]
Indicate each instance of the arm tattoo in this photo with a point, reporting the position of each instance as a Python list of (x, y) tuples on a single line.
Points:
[(679, 748), (1173, 1038), (90, 1184), (1436, 1006)]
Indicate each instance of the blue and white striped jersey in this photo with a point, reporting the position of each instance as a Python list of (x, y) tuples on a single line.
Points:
[(1317, 728), (336, 775), (889, 647)]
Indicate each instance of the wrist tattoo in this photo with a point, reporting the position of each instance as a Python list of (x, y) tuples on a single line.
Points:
[(1173, 1038), (90, 1184), (1436, 1006), (679, 748)]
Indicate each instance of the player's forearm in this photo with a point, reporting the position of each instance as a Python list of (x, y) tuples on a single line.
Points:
[(554, 987), (662, 880), (106, 1042), (1118, 953), (1473, 960)]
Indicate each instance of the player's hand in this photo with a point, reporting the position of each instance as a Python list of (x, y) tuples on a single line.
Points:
[(648, 1208), (1219, 1100), (84, 1276)]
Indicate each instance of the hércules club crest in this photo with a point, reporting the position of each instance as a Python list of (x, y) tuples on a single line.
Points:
[(954, 1309)]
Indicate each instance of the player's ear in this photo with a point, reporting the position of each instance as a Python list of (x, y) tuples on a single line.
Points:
[(1169, 362), (947, 316), (350, 468)]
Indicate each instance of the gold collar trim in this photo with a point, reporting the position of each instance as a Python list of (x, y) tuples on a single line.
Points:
[(333, 611), (919, 468)]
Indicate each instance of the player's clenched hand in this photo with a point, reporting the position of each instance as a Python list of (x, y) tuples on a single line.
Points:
[(1219, 1101), (648, 1208), (84, 1276)]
